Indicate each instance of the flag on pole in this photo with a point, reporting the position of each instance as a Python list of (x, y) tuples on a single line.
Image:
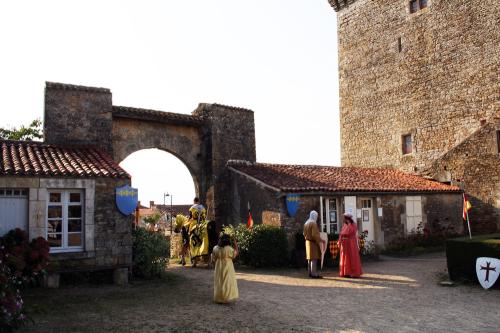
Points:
[(467, 207), (249, 220), (465, 214)]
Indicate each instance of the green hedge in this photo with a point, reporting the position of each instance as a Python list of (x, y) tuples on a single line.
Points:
[(261, 246), (151, 251), (461, 254)]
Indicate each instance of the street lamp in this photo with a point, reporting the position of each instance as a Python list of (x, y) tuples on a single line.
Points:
[(164, 196)]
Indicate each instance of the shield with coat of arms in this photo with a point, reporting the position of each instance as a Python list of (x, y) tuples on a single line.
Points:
[(292, 204), (487, 270), (126, 199)]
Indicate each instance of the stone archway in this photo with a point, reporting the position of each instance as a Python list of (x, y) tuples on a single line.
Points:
[(204, 141), (134, 130)]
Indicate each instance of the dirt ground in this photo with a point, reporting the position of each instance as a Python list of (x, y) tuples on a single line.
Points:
[(394, 295)]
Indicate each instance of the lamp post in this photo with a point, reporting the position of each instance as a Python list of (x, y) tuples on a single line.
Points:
[(164, 196)]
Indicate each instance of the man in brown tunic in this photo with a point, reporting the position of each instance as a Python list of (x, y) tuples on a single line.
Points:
[(313, 241)]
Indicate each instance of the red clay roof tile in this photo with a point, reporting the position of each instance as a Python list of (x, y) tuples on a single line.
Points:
[(313, 178), (31, 158)]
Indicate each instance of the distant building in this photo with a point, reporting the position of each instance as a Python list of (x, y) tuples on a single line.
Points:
[(419, 92), (166, 211)]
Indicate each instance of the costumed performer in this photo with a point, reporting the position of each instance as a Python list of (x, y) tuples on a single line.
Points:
[(350, 262), (225, 285)]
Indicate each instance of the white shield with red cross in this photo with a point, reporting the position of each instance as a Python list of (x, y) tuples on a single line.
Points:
[(487, 270)]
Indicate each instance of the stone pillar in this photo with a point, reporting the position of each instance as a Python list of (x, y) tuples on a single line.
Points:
[(78, 115), (229, 134)]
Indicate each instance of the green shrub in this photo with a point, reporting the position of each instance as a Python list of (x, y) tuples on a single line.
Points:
[(261, 246), (151, 251), (461, 254)]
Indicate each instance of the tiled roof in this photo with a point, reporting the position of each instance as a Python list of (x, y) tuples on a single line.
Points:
[(313, 178), (30, 158), (340, 4), (153, 115), (176, 209)]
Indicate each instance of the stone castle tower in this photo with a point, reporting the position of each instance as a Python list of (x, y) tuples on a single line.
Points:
[(419, 91)]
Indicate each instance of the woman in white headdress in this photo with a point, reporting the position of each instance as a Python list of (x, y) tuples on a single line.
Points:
[(313, 241)]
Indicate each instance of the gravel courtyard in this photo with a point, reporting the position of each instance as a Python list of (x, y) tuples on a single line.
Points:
[(394, 295)]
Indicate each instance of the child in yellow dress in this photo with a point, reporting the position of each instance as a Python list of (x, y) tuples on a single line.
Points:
[(225, 286)]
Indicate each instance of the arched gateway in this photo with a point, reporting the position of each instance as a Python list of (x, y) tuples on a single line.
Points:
[(204, 141)]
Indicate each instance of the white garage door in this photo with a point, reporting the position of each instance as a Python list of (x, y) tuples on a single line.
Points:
[(13, 209)]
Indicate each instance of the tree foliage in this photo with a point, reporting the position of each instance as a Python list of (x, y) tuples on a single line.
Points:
[(27, 133)]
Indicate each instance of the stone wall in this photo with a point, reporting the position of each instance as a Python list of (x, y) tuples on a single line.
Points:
[(113, 230), (184, 142), (204, 141), (441, 213), (76, 115), (228, 133), (475, 165), (108, 238), (267, 202), (437, 88)]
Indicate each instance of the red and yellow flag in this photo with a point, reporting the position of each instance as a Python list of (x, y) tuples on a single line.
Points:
[(467, 207), (249, 221)]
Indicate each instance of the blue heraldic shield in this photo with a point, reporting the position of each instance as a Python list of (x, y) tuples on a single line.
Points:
[(126, 199), (292, 204)]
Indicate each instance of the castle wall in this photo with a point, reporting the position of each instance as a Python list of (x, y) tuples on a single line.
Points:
[(475, 164), (228, 133), (76, 115), (436, 87)]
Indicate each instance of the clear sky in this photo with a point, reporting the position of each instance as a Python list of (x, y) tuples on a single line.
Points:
[(276, 57)]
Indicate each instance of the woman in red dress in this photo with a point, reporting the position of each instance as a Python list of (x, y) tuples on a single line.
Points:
[(350, 263)]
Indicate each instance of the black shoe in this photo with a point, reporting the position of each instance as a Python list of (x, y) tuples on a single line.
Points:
[(317, 277)]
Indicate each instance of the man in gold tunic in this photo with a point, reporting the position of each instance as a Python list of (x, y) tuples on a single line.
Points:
[(313, 241)]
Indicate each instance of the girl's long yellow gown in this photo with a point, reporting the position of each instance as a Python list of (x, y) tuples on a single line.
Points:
[(225, 286)]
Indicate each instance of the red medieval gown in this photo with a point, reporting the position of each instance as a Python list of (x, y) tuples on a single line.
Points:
[(350, 263)]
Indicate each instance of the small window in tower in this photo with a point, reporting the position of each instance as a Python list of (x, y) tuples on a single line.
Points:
[(498, 141), (416, 5), (400, 45), (413, 6), (407, 144)]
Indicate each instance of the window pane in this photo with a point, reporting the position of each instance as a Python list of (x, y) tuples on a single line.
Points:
[(54, 226), (333, 204), (74, 225), (74, 211), (74, 197), (55, 197), (24, 192), (55, 240), (407, 144), (17, 192), (423, 4), (75, 239), (333, 216), (413, 6), (54, 212)]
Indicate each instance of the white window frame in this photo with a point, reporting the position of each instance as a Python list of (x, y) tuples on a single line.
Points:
[(65, 203), (326, 224), (413, 213)]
